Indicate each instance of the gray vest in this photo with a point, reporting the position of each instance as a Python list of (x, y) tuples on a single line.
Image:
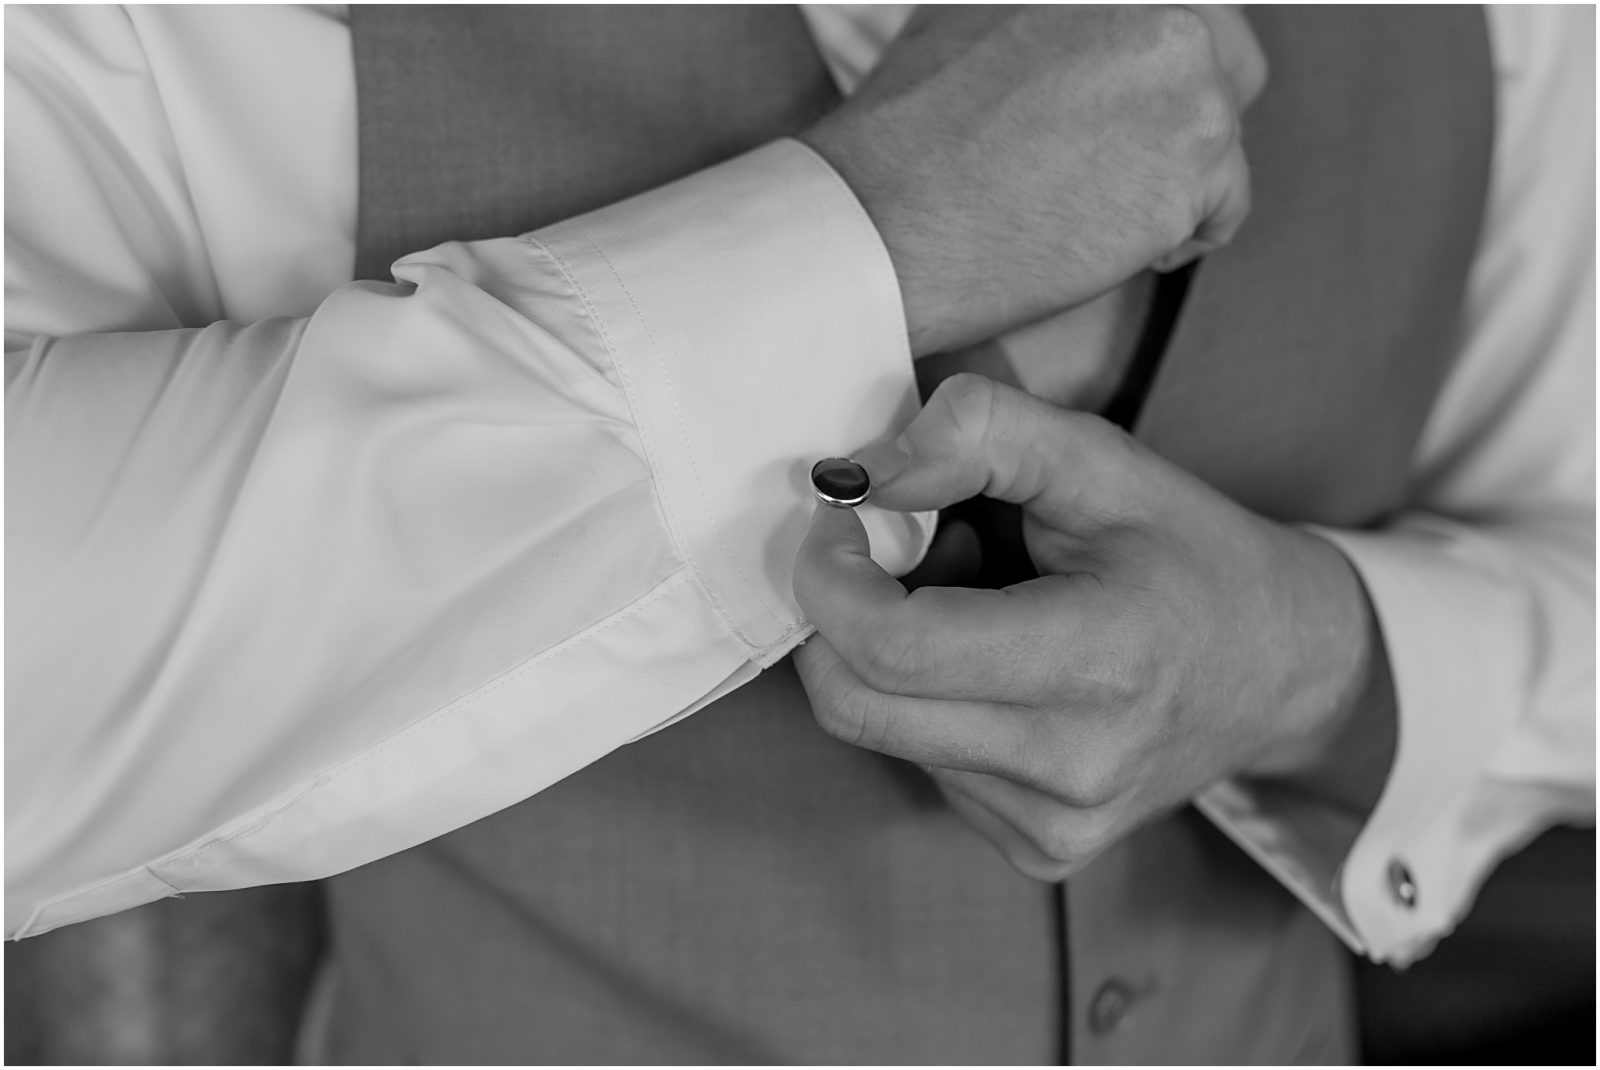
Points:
[(742, 888)]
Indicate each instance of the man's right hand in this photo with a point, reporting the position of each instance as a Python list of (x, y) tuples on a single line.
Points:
[(1021, 161)]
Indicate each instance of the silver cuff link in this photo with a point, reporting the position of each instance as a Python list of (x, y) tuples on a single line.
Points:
[(840, 481)]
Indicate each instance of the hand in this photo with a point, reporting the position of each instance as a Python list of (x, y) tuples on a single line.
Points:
[(1173, 639), (1019, 161)]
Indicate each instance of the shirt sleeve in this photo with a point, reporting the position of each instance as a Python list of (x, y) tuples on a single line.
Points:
[(1484, 587), (289, 596)]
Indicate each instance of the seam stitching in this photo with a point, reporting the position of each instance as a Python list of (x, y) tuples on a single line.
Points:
[(647, 441), (677, 412)]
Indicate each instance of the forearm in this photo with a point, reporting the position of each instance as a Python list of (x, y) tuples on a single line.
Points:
[(291, 596)]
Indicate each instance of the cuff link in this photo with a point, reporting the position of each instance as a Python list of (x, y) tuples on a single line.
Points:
[(840, 481), (1401, 885)]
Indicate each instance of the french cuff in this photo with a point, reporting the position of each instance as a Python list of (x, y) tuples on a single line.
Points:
[(753, 319), (1394, 885), (1299, 839), (1457, 636)]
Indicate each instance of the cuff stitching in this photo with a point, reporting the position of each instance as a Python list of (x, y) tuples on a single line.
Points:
[(647, 440), (677, 412)]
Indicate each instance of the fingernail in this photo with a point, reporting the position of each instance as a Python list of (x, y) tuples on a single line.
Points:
[(885, 461)]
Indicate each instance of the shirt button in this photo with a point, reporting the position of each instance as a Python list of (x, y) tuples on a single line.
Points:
[(1401, 886), (1109, 1007)]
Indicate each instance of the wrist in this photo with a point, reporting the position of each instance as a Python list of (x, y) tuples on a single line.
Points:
[(934, 309), (1341, 713)]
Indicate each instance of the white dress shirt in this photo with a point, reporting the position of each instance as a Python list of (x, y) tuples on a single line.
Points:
[(304, 572)]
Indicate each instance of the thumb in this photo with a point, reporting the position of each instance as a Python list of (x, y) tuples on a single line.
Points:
[(837, 584), (977, 436)]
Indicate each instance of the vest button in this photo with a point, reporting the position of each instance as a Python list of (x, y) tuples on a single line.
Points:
[(1109, 1007), (1401, 886)]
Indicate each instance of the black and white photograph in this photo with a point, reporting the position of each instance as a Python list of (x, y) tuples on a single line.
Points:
[(824, 534)]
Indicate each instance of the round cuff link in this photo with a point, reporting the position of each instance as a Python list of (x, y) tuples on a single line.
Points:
[(840, 481)]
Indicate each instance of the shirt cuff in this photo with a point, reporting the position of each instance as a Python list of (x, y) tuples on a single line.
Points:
[(1458, 636), (1394, 882), (797, 341)]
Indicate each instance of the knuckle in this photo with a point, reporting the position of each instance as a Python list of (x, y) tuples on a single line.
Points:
[(1175, 218), (1101, 829), (1213, 124), (1030, 765), (1094, 437), (1231, 204), (892, 658), (1181, 30), (1239, 52), (970, 401), (1093, 430), (1202, 116), (1059, 840), (1040, 868), (838, 720), (1180, 53), (1034, 759), (834, 705), (844, 709), (1203, 130), (1074, 839), (1091, 785), (850, 718)]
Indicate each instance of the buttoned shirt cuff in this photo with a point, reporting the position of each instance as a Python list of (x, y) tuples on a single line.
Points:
[(793, 336), (1394, 882)]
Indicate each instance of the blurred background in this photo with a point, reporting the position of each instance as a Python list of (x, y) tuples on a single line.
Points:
[(223, 978)]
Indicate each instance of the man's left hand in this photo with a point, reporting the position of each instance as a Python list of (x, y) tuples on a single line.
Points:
[(1173, 638)]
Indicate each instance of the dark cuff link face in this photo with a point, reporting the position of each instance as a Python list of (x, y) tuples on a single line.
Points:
[(840, 481)]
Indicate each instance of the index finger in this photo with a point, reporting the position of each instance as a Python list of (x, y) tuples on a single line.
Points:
[(935, 642)]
